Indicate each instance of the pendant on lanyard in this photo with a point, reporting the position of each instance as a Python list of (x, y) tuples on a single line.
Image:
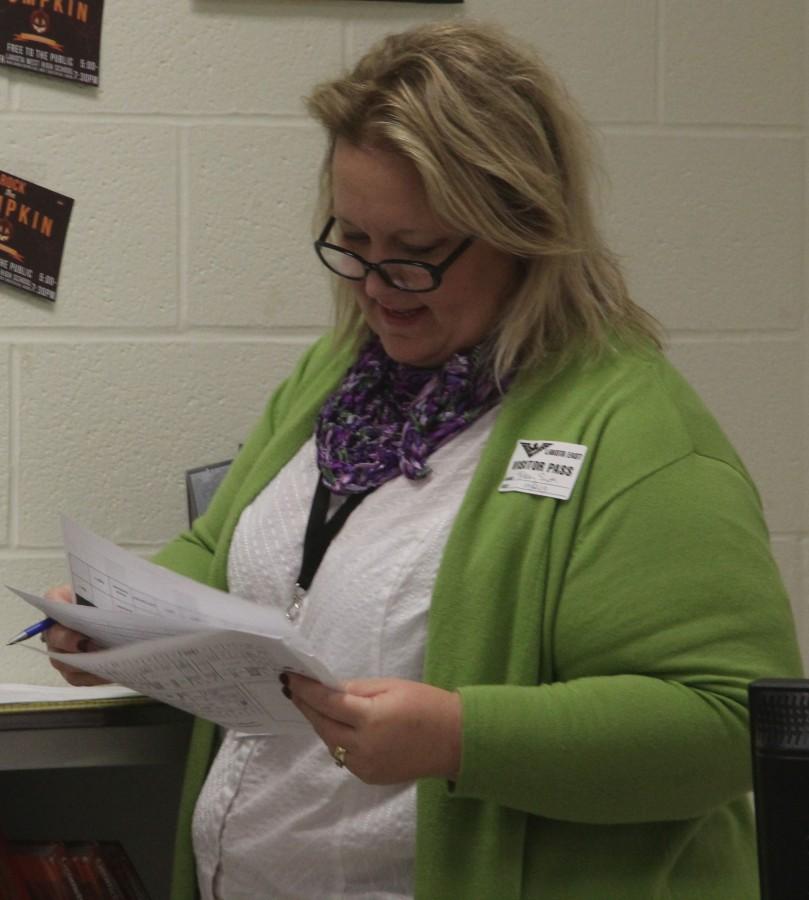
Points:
[(320, 532)]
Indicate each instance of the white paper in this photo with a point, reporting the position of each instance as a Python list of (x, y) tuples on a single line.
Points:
[(213, 654)]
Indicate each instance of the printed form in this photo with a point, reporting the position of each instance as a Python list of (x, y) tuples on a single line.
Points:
[(210, 653)]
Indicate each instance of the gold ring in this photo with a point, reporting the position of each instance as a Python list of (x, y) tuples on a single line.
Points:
[(340, 755)]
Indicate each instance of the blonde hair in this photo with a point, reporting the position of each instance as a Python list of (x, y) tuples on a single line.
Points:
[(503, 155)]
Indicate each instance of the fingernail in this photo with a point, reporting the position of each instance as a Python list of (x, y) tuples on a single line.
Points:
[(286, 692), (284, 678), (84, 645)]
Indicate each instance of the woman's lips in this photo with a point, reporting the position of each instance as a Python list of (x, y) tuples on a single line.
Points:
[(401, 315)]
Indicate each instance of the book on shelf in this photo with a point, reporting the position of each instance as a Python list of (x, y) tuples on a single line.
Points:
[(118, 870), (11, 883), (68, 870), (40, 868)]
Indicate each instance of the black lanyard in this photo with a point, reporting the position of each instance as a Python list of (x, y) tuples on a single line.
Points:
[(320, 532)]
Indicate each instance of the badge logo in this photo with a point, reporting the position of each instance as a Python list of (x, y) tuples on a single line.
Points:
[(532, 449)]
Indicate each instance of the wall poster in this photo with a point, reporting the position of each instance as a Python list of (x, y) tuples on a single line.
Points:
[(33, 226), (60, 38)]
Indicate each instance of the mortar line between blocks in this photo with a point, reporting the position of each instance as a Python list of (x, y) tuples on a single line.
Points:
[(183, 219), (14, 444), (660, 61), (348, 42)]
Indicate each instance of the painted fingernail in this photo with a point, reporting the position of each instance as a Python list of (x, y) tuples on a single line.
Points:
[(284, 678), (286, 692)]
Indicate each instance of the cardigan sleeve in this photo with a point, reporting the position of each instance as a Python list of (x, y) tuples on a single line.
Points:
[(670, 606)]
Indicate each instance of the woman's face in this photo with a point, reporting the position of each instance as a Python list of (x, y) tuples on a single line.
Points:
[(381, 212)]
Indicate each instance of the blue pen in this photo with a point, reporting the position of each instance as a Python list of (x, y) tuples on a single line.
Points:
[(31, 630)]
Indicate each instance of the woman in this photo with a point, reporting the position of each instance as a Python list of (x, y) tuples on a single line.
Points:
[(549, 582)]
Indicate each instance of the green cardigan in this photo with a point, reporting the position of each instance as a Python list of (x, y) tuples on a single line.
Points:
[(602, 645)]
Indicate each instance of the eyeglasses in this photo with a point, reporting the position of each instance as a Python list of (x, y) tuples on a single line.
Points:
[(402, 274)]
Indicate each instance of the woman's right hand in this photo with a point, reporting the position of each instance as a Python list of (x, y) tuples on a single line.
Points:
[(64, 640)]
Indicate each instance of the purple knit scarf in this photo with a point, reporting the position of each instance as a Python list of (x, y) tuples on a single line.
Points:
[(386, 418)]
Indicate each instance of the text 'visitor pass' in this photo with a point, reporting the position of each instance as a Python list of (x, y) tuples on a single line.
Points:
[(544, 468)]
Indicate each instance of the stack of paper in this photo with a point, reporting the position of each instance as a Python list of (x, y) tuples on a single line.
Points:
[(29, 694), (210, 653)]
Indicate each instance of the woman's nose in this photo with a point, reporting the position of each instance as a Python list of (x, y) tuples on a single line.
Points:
[(375, 285)]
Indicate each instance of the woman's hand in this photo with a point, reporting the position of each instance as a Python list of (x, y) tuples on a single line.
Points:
[(392, 730), (63, 640)]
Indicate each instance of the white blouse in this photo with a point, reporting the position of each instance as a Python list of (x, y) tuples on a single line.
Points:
[(276, 817)]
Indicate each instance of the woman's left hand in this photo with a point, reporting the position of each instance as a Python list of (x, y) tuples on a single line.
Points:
[(392, 730)]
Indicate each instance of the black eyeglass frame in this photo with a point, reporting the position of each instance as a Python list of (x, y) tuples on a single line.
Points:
[(436, 270)]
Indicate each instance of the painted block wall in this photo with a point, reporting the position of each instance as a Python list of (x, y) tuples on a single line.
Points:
[(189, 287)]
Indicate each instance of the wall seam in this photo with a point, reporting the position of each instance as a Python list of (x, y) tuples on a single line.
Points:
[(183, 219), (14, 444), (660, 61)]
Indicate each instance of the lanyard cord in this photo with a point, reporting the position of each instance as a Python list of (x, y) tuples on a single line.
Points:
[(319, 534)]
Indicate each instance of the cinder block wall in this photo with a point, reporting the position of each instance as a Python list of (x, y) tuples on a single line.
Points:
[(188, 286)]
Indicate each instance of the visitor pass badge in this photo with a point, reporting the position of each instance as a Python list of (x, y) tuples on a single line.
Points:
[(544, 468)]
